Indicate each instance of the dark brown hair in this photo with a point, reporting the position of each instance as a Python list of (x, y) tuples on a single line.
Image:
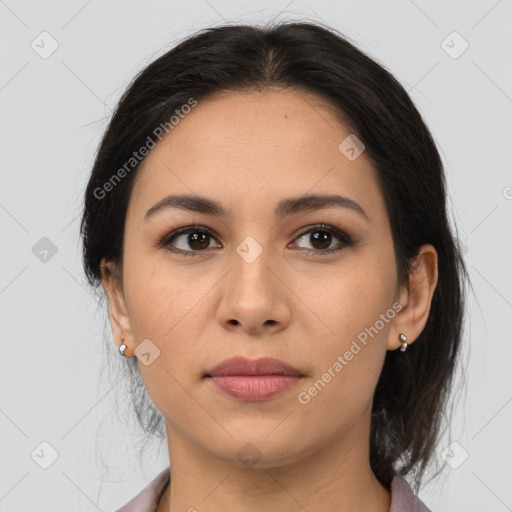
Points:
[(411, 395)]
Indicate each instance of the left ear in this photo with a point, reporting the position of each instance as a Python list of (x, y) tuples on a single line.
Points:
[(415, 298)]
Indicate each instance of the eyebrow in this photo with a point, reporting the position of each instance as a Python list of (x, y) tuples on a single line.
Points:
[(285, 207)]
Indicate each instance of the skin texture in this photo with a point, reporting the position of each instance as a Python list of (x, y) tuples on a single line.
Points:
[(249, 150)]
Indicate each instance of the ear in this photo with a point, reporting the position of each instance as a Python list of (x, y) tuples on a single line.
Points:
[(415, 298), (119, 319)]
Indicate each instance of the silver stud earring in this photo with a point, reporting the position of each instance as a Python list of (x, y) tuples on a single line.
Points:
[(123, 347), (403, 339)]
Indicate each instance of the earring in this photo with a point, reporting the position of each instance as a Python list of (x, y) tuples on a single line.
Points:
[(403, 339), (123, 347)]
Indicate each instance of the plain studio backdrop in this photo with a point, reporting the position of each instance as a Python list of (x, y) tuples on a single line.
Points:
[(63, 67)]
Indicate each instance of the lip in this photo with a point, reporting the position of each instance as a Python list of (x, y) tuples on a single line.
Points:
[(240, 365), (253, 380)]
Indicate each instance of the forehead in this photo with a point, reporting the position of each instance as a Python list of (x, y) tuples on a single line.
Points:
[(257, 147)]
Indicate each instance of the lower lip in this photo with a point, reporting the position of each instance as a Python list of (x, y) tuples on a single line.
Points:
[(253, 388)]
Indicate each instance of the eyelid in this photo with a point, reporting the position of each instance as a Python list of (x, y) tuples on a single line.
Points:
[(322, 226)]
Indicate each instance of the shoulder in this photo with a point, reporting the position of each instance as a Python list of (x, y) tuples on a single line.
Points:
[(403, 498), (148, 498)]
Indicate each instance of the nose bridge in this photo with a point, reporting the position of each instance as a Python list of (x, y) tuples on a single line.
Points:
[(252, 294), (251, 273)]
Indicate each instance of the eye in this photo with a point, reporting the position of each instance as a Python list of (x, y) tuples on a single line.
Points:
[(189, 240), (321, 237)]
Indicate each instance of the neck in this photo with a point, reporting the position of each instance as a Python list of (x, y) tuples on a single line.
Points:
[(337, 477)]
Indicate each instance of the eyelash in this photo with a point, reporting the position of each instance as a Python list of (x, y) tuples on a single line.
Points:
[(346, 240)]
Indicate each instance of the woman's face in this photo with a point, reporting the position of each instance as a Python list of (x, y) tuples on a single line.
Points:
[(259, 285)]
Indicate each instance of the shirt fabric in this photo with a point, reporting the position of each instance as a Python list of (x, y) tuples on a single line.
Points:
[(402, 497)]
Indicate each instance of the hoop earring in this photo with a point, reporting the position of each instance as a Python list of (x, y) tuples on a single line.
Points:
[(123, 347), (403, 338)]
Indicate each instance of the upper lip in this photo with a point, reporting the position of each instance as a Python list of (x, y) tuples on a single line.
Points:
[(240, 365)]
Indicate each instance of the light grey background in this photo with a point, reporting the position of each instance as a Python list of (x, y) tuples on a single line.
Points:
[(53, 111)]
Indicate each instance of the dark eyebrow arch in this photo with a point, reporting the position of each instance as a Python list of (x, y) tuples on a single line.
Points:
[(284, 208)]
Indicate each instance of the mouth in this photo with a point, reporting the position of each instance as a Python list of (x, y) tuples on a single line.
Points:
[(253, 380), (254, 388)]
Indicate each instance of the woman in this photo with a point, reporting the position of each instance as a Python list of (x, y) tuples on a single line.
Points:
[(267, 217)]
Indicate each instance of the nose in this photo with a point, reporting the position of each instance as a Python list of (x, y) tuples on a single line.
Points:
[(254, 296)]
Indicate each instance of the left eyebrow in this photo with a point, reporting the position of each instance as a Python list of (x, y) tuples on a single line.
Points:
[(285, 207), (316, 202)]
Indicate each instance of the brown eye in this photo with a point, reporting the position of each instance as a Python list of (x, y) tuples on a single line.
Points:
[(188, 240), (198, 241), (321, 237)]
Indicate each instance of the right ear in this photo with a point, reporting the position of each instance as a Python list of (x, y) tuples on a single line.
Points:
[(111, 279)]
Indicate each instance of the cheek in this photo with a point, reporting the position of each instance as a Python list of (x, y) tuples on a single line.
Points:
[(352, 314), (346, 299), (167, 309), (348, 360), (160, 295), (157, 307)]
